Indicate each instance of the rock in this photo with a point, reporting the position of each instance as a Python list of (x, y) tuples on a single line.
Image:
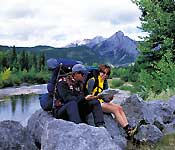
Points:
[(148, 133), (58, 134), (160, 113), (65, 135), (113, 128), (14, 136), (157, 116), (171, 103), (37, 123), (169, 128), (133, 107), (155, 112)]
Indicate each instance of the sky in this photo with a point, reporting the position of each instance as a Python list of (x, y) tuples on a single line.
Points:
[(60, 22)]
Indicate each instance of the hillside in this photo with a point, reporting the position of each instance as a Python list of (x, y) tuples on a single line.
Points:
[(117, 50)]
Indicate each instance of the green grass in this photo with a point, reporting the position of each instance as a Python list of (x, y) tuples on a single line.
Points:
[(115, 83), (166, 143), (128, 88), (164, 95)]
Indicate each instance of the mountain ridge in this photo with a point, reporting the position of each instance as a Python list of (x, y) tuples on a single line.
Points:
[(118, 49)]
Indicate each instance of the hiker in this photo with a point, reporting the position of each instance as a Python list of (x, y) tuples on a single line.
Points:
[(109, 107), (71, 104)]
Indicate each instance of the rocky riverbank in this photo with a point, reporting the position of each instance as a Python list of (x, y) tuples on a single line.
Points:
[(33, 89), (46, 132)]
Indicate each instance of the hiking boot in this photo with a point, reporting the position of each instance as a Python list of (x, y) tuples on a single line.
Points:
[(131, 131)]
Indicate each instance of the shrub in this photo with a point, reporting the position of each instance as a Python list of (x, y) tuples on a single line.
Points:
[(116, 83)]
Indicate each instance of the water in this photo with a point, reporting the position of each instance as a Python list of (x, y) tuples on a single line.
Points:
[(19, 108)]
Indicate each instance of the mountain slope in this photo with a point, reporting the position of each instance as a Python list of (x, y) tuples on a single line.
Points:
[(118, 49)]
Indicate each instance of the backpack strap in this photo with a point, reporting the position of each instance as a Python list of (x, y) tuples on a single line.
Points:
[(96, 84)]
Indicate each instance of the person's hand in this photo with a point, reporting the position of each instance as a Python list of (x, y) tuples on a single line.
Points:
[(57, 103), (90, 97), (110, 98)]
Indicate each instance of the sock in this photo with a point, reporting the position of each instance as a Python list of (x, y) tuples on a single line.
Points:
[(126, 127)]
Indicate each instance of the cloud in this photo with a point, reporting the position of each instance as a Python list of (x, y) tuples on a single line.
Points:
[(59, 22)]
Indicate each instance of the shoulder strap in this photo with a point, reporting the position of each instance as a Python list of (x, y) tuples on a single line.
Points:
[(56, 82), (96, 84)]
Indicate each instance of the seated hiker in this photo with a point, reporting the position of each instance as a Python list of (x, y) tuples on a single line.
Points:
[(71, 104), (108, 106)]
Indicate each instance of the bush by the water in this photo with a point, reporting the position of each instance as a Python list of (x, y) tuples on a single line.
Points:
[(116, 83)]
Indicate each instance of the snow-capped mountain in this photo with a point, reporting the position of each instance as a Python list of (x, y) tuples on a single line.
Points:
[(117, 49), (88, 42)]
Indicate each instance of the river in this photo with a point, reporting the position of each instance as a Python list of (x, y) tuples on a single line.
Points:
[(20, 103)]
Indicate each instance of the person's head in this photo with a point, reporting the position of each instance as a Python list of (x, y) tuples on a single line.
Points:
[(104, 71), (79, 72)]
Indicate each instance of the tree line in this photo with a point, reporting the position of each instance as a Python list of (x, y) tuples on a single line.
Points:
[(22, 66), (20, 61)]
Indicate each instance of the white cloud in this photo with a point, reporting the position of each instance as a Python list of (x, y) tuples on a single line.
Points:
[(59, 22)]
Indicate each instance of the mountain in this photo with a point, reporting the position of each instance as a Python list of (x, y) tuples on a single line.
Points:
[(88, 42), (117, 50)]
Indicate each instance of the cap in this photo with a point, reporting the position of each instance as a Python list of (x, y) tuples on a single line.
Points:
[(79, 68)]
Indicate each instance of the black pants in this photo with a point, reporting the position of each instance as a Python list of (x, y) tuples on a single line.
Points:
[(77, 112)]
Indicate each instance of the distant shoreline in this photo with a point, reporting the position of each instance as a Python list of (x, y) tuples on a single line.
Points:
[(32, 89)]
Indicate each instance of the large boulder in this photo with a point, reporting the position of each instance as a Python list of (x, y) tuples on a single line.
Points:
[(13, 136), (155, 118), (148, 133), (58, 134), (115, 130), (157, 113), (134, 107), (171, 103)]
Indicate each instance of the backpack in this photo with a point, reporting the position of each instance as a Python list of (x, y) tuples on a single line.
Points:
[(59, 68), (93, 72)]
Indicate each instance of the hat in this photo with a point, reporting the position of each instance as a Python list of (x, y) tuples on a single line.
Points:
[(79, 68)]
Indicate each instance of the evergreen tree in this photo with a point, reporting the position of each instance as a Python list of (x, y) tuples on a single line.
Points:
[(5, 62), (13, 57), (34, 61), (27, 61), (22, 58), (158, 20), (41, 61), (158, 48)]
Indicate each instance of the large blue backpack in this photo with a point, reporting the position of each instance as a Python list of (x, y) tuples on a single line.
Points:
[(59, 68)]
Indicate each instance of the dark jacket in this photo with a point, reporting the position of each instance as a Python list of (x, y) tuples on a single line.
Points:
[(70, 90)]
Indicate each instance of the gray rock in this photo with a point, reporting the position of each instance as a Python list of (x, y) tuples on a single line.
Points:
[(148, 133), (63, 135), (160, 113), (13, 136), (169, 128), (171, 103), (37, 123), (133, 107), (158, 117), (155, 112), (58, 134), (113, 128)]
